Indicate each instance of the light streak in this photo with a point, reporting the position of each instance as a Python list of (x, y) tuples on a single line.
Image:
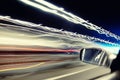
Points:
[(49, 7), (28, 26)]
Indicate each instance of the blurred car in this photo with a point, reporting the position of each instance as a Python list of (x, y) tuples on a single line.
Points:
[(96, 56)]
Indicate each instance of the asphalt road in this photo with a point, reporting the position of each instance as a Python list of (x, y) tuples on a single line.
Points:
[(74, 71)]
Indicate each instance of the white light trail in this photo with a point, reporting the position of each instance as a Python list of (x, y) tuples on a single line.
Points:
[(28, 26), (48, 7)]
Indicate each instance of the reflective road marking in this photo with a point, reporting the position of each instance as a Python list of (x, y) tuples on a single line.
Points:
[(23, 67), (69, 74)]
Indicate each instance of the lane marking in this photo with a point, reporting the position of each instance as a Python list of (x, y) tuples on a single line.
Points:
[(23, 67), (69, 74)]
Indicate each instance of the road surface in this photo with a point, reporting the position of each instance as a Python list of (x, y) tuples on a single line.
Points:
[(74, 71)]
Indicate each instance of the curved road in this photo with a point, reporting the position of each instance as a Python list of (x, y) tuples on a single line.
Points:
[(74, 71)]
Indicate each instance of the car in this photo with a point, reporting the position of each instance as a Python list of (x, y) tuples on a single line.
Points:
[(96, 56)]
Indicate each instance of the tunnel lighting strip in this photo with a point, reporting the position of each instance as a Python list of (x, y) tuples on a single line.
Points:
[(30, 26), (49, 7)]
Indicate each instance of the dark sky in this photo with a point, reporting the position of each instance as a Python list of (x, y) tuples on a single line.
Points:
[(104, 13)]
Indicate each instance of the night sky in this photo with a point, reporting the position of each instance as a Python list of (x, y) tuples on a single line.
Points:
[(101, 13)]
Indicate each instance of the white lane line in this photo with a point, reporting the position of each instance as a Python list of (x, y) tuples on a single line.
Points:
[(69, 74)]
